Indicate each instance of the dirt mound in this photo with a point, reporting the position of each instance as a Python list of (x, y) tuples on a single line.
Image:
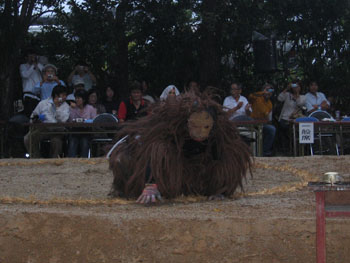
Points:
[(58, 211)]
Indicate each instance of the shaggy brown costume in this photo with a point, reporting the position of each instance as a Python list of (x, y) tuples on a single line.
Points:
[(160, 143)]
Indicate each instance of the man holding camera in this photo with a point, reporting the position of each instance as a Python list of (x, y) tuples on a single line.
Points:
[(262, 110), (51, 110), (49, 81), (30, 74), (82, 71)]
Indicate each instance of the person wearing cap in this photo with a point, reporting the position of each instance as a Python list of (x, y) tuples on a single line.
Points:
[(49, 81), (82, 71), (50, 110), (262, 110), (78, 84), (236, 105), (30, 74), (133, 107)]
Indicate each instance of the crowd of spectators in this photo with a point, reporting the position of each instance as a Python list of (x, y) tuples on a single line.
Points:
[(45, 99)]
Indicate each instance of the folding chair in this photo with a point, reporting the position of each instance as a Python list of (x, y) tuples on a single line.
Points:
[(105, 137)]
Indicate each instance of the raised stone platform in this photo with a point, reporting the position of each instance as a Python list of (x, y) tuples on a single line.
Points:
[(57, 211)]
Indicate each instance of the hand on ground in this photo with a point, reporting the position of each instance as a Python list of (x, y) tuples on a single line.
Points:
[(149, 195)]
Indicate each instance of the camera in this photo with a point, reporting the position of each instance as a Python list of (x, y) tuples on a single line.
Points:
[(60, 99), (50, 76), (294, 85), (271, 90)]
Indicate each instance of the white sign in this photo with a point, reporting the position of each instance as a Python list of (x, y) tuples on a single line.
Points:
[(306, 132)]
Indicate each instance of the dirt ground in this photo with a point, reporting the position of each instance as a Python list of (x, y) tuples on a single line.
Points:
[(58, 211)]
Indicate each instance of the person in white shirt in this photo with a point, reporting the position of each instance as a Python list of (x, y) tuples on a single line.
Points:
[(51, 110), (236, 105), (292, 101), (82, 71), (316, 100), (31, 74)]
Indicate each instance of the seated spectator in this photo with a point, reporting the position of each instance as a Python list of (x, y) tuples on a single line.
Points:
[(315, 100), (110, 102), (81, 70), (78, 84), (292, 102), (193, 85), (79, 143), (134, 107), (169, 92), (93, 100), (236, 105), (146, 96), (262, 110), (51, 110), (49, 81), (30, 74)]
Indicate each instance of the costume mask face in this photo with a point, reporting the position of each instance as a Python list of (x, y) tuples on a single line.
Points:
[(200, 125)]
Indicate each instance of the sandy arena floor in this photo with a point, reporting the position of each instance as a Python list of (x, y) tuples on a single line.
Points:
[(58, 211)]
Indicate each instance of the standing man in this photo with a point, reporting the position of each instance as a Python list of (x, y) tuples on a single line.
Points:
[(49, 81), (133, 107), (316, 100), (82, 71), (30, 74), (236, 104), (262, 110)]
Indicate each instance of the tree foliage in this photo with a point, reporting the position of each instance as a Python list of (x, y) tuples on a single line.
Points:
[(171, 42)]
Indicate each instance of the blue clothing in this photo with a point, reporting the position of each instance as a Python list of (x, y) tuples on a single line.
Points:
[(269, 132), (314, 100), (45, 90)]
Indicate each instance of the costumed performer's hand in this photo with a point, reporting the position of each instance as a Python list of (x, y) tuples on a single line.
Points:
[(149, 195)]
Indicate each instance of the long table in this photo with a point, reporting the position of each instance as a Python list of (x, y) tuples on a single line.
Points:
[(255, 127), (70, 128), (337, 128)]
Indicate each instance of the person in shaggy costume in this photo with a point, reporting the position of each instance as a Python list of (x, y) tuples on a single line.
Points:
[(186, 146)]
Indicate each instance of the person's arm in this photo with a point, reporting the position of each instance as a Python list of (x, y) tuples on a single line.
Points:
[(26, 72), (62, 113), (309, 107), (325, 104), (301, 101), (122, 112), (283, 95), (71, 75), (50, 113), (93, 113), (92, 76), (252, 97)]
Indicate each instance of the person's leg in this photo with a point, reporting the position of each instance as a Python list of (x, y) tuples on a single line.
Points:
[(55, 146), (269, 132), (73, 142), (283, 136), (84, 146)]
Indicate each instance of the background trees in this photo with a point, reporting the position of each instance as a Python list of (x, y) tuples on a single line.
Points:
[(171, 42)]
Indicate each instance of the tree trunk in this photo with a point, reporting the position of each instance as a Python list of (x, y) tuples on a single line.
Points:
[(122, 57), (210, 34), (15, 24)]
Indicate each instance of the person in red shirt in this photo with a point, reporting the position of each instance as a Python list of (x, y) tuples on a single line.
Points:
[(133, 107)]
